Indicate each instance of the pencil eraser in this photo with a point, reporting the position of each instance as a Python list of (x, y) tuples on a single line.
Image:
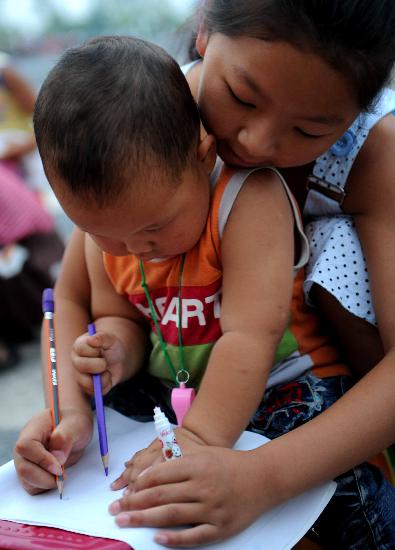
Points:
[(47, 300)]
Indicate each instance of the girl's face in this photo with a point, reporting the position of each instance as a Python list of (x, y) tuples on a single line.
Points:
[(268, 103)]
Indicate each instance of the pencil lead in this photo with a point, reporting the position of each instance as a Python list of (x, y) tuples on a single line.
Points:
[(105, 463), (59, 483)]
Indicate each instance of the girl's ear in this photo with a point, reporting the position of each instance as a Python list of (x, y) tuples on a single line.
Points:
[(207, 152), (201, 41)]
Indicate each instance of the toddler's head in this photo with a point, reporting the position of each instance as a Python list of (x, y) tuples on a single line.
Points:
[(118, 133)]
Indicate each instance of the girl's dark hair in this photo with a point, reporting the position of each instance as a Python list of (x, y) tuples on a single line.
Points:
[(110, 111), (355, 37)]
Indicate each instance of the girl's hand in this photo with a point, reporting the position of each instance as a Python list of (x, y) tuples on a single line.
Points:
[(146, 458), (104, 354), (212, 489), (40, 452)]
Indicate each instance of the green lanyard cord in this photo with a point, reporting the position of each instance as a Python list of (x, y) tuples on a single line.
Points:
[(180, 313), (155, 319)]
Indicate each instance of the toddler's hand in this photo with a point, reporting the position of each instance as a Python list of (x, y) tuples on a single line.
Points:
[(145, 458), (104, 354), (40, 452)]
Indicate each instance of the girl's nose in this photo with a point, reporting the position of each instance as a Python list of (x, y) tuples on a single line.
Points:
[(259, 139)]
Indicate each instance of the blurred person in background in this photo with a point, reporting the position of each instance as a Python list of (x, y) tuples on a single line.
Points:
[(30, 248), (17, 143)]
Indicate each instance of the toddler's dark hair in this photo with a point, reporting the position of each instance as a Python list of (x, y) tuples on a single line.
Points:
[(111, 110), (356, 37)]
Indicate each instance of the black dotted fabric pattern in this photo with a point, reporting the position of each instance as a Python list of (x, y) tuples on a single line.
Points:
[(338, 265)]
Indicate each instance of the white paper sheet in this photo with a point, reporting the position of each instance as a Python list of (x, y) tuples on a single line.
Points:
[(87, 495)]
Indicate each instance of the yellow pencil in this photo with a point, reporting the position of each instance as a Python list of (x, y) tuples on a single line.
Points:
[(48, 306)]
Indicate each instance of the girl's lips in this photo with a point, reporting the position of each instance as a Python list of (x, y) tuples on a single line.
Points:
[(231, 157)]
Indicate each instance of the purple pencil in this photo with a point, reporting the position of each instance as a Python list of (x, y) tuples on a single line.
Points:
[(101, 419)]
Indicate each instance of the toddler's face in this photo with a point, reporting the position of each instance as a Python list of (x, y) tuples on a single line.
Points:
[(268, 103), (158, 222)]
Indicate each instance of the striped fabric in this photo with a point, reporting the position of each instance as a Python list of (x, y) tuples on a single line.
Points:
[(21, 213)]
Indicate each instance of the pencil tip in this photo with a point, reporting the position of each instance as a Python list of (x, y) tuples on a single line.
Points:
[(104, 459), (59, 483)]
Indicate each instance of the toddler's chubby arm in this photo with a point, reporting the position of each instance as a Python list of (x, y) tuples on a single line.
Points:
[(39, 451), (258, 256), (117, 349)]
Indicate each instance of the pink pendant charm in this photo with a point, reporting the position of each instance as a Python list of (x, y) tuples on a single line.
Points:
[(181, 400)]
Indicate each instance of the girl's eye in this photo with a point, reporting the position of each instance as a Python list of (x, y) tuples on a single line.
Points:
[(152, 229), (307, 135), (238, 100)]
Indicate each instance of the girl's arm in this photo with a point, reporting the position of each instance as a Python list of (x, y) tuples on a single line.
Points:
[(221, 491), (257, 257), (72, 314), (371, 199), (39, 451)]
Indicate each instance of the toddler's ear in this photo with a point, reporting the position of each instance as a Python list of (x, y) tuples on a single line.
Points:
[(201, 41), (207, 152)]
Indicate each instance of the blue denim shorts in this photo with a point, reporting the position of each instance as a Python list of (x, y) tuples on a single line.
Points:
[(361, 514)]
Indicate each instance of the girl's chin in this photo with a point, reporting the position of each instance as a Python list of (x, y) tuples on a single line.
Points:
[(230, 157)]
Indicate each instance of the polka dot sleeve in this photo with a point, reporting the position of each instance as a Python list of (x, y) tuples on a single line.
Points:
[(338, 265)]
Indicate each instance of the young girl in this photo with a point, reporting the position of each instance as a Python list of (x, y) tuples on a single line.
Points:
[(267, 126), (299, 85)]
